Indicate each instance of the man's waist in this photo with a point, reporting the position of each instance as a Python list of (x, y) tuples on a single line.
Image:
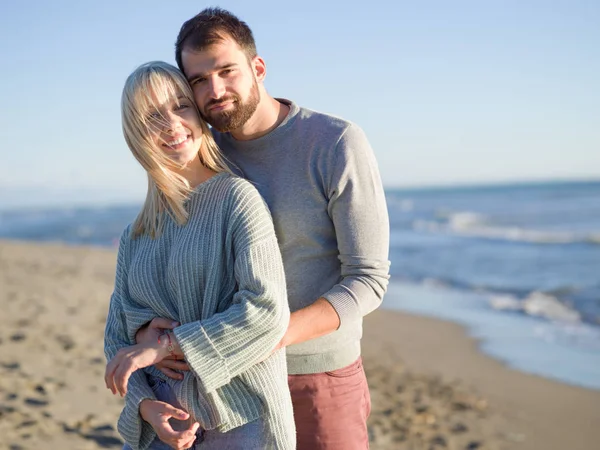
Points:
[(302, 361)]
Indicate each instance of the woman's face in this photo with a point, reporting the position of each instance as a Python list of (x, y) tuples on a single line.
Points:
[(175, 127)]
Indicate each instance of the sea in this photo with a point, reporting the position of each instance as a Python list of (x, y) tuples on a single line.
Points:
[(518, 265)]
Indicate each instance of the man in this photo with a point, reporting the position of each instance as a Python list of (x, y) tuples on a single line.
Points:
[(320, 179)]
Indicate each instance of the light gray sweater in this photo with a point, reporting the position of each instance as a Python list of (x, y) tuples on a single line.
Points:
[(221, 276), (319, 176)]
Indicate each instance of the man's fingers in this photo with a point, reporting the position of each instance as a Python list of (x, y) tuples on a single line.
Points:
[(170, 373), (167, 366), (175, 364), (161, 322)]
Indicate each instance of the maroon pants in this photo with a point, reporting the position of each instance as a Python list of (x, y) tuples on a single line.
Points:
[(331, 409)]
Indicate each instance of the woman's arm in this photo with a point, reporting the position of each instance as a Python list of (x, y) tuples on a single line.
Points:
[(228, 343), (134, 430)]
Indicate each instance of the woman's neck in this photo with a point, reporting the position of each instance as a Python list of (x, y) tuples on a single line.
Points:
[(196, 173)]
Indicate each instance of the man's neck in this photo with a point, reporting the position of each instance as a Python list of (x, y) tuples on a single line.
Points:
[(268, 115)]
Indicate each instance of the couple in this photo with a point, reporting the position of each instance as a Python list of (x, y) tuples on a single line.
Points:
[(290, 216)]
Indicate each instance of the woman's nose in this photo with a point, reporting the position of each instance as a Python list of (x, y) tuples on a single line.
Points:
[(172, 122)]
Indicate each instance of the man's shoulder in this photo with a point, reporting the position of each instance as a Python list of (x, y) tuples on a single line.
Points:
[(326, 121)]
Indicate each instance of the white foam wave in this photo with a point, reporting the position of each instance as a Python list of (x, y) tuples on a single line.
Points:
[(402, 204), (537, 304), (471, 224)]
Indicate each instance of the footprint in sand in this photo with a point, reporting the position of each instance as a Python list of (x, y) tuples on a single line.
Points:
[(66, 341), (35, 402), (11, 366), (17, 337)]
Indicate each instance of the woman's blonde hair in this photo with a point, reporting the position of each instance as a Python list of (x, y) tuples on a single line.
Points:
[(149, 84)]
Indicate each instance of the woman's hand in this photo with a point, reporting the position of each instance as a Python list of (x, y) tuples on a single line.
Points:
[(128, 360), (158, 413), (150, 333)]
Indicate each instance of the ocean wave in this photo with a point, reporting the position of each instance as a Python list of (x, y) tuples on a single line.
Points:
[(537, 304), (401, 204), (471, 224)]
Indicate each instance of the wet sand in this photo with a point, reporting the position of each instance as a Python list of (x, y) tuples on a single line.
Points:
[(431, 387)]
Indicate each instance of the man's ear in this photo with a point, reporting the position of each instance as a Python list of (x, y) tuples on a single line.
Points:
[(259, 67)]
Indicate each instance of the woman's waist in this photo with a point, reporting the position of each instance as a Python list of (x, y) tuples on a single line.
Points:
[(240, 401)]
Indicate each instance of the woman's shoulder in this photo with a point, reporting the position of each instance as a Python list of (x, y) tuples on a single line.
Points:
[(237, 189), (126, 234), (246, 208), (235, 182)]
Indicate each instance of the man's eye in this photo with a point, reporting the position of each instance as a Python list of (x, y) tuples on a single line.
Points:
[(182, 106), (197, 81)]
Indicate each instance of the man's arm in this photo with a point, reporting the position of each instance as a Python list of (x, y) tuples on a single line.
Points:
[(310, 322), (359, 213)]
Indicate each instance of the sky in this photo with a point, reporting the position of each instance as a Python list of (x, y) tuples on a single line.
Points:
[(448, 92)]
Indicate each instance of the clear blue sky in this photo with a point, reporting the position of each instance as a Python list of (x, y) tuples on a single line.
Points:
[(447, 91)]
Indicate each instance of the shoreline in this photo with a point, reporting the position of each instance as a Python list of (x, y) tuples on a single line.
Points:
[(431, 386), (527, 411)]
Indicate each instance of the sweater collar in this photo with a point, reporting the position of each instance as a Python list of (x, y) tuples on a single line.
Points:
[(264, 141)]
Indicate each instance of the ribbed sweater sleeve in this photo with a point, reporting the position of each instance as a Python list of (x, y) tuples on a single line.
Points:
[(359, 214), (136, 432), (228, 343)]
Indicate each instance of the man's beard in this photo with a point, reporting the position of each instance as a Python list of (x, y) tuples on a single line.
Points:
[(236, 117)]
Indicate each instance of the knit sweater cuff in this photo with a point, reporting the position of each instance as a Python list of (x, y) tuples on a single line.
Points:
[(138, 433), (202, 357), (344, 304)]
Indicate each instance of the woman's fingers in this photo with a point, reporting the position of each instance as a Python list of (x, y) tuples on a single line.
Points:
[(118, 371), (176, 413), (161, 322), (158, 413), (186, 438), (122, 374), (109, 374)]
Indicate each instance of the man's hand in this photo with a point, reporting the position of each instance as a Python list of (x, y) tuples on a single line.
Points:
[(158, 413), (128, 360), (150, 333)]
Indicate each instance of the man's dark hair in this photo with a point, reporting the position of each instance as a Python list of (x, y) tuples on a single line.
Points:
[(210, 26)]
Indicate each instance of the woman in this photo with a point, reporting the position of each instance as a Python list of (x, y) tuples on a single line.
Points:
[(203, 253)]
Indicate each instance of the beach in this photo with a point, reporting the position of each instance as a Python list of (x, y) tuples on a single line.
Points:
[(431, 387)]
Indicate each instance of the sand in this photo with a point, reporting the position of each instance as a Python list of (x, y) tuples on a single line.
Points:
[(431, 388)]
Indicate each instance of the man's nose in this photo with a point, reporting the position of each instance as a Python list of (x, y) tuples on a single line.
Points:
[(216, 87)]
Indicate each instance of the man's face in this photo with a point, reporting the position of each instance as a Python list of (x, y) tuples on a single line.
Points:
[(224, 84)]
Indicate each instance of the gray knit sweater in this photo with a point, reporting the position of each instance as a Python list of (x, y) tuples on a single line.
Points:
[(319, 176), (221, 277)]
